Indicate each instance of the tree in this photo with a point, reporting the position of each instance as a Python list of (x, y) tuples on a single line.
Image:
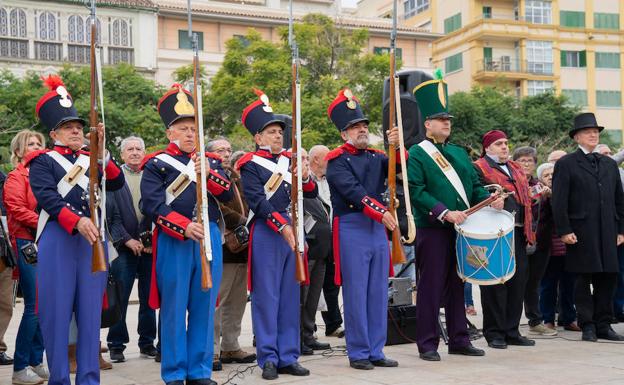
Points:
[(331, 59), (541, 121), (130, 102)]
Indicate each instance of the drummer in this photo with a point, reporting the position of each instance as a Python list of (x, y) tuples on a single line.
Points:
[(442, 184), (502, 304)]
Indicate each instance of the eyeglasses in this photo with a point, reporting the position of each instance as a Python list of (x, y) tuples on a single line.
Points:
[(525, 161)]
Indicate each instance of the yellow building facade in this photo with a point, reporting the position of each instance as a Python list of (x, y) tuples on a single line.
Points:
[(575, 47)]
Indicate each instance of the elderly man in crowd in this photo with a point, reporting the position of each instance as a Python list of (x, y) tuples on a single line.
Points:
[(233, 289), (588, 208), (131, 235), (331, 317)]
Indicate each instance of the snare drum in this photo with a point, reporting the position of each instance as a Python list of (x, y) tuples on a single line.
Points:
[(485, 247)]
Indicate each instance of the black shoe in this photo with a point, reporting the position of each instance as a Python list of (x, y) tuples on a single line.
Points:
[(269, 372), (589, 333), (497, 343), (148, 351), (467, 350), (431, 355), (385, 363), (217, 366), (158, 357), (316, 345), (361, 364), (176, 382), (610, 335), (520, 341), (306, 350), (619, 317), (117, 356), (294, 370), (203, 381), (5, 359)]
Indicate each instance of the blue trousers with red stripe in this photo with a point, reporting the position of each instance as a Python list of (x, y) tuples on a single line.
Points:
[(364, 260), (275, 298), (65, 284), (187, 348)]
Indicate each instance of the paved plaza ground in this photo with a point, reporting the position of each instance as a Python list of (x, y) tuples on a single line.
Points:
[(561, 360)]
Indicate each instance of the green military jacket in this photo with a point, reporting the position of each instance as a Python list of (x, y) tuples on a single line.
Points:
[(431, 192)]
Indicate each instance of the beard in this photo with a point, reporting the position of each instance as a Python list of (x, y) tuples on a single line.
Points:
[(361, 142)]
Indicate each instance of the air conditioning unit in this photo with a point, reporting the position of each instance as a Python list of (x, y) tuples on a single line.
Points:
[(505, 63)]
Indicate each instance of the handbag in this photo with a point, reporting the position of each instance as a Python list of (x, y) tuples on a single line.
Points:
[(111, 314), (236, 240)]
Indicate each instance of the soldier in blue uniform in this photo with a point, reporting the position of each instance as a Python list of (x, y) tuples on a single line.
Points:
[(266, 179), (356, 175), (168, 191), (65, 283)]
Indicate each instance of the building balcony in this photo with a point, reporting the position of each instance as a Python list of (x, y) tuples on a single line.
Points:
[(511, 68), (13, 48)]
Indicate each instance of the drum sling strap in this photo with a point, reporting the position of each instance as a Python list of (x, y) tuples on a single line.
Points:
[(447, 169)]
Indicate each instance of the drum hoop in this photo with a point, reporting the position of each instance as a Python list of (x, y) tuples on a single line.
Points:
[(496, 281), (484, 237)]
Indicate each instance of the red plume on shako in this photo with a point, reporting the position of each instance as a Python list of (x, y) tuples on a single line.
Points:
[(56, 106)]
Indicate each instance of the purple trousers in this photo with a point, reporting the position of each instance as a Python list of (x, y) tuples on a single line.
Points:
[(66, 285), (438, 286)]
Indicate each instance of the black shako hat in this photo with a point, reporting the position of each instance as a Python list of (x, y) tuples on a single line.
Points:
[(176, 104), (57, 106), (345, 110), (259, 114), (583, 121)]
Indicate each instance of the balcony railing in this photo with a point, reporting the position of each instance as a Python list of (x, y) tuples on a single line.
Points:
[(48, 51), (507, 64), (14, 48), (79, 53), (120, 55)]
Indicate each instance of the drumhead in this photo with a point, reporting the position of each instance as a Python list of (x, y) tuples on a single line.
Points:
[(487, 223)]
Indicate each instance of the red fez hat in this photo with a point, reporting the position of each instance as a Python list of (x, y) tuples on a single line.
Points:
[(491, 137)]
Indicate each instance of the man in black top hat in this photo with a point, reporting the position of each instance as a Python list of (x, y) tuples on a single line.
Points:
[(588, 208)]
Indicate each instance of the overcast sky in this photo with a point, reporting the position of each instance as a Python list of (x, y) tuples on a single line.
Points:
[(349, 3)]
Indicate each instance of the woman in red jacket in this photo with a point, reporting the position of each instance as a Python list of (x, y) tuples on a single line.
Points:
[(20, 204)]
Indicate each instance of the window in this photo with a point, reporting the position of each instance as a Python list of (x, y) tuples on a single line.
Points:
[(572, 19), (185, 43), (47, 26), (98, 28), (13, 29), (606, 21), (576, 97), (487, 12), (121, 33), (609, 98), (607, 60), (538, 12), (413, 7), (76, 29), (452, 23), (244, 41), (539, 57), (573, 58), (537, 87), (386, 50), (453, 63)]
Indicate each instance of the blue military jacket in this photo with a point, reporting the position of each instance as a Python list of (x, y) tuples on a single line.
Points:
[(357, 180), (158, 175), (254, 177), (45, 175)]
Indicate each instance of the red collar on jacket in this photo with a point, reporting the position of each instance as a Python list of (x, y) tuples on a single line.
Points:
[(64, 150), (173, 149)]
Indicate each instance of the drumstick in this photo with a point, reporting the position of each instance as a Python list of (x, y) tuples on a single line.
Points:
[(487, 202)]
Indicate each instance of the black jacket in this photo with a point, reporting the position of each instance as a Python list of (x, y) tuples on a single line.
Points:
[(123, 224), (319, 238), (590, 204)]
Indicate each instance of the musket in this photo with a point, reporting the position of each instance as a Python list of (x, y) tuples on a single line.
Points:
[(296, 196), (98, 258), (398, 256), (205, 245)]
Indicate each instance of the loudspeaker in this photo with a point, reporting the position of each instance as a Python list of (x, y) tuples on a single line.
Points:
[(413, 129), (287, 142), (401, 325)]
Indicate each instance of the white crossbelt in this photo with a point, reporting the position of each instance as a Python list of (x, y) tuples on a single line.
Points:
[(64, 187), (184, 169), (281, 167), (447, 169)]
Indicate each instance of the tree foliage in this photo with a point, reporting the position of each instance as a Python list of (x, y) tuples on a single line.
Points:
[(541, 121)]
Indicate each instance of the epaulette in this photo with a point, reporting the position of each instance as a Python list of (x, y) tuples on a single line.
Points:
[(243, 160), (333, 154), (28, 158), (214, 155), (148, 157)]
